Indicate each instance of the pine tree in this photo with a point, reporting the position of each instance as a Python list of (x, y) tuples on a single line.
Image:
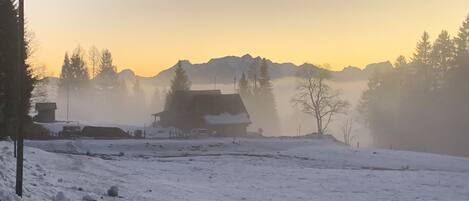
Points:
[(180, 82), (66, 75), (424, 74), (265, 97), (78, 67), (462, 40), (423, 51), (253, 70), (73, 83), (243, 87), (264, 77), (442, 54), (400, 61), (107, 78), (457, 79), (9, 58), (74, 77), (8, 63)]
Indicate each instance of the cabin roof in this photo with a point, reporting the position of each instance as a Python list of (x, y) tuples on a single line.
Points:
[(45, 106), (208, 104)]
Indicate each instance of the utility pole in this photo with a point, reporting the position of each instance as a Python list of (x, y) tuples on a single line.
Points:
[(68, 100), (234, 84), (215, 84), (299, 129), (21, 70), (14, 147)]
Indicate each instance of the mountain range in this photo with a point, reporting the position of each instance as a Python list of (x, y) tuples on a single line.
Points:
[(225, 69)]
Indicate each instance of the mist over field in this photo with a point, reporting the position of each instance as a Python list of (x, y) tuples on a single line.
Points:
[(293, 121), (389, 105)]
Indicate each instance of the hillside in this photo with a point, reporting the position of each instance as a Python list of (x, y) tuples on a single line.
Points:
[(223, 169)]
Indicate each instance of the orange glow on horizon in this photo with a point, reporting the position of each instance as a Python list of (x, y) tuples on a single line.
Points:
[(148, 36)]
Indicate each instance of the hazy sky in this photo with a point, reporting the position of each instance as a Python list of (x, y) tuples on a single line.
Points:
[(151, 35)]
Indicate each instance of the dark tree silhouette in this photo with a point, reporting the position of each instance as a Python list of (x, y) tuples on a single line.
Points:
[(243, 86), (180, 82), (10, 108), (462, 40), (422, 105), (400, 61), (269, 120), (442, 55), (107, 79), (74, 75), (423, 50), (8, 63)]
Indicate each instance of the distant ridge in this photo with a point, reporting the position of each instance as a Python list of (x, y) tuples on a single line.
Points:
[(226, 69)]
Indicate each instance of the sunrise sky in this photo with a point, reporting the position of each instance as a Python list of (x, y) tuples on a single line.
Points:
[(151, 35)]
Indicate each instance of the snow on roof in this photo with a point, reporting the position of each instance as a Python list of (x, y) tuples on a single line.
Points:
[(227, 118)]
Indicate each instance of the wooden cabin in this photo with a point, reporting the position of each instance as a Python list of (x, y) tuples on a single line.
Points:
[(221, 114)]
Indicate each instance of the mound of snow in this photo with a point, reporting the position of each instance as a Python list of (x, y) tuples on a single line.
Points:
[(7, 170), (88, 198), (8, 196)]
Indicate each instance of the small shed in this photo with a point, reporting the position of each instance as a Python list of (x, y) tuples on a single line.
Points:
[(46, 112)]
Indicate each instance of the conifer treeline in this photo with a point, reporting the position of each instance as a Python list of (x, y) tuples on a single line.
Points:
[(106, 91), (422, 104)]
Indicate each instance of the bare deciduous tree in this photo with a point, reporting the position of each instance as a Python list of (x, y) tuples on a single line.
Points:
[(94, 59), (39, 93), (316, 98)]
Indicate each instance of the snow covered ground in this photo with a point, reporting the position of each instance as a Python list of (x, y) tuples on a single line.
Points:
[(222, 169)]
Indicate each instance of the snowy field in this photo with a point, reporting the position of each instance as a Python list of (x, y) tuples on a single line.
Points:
[(223, 170)]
